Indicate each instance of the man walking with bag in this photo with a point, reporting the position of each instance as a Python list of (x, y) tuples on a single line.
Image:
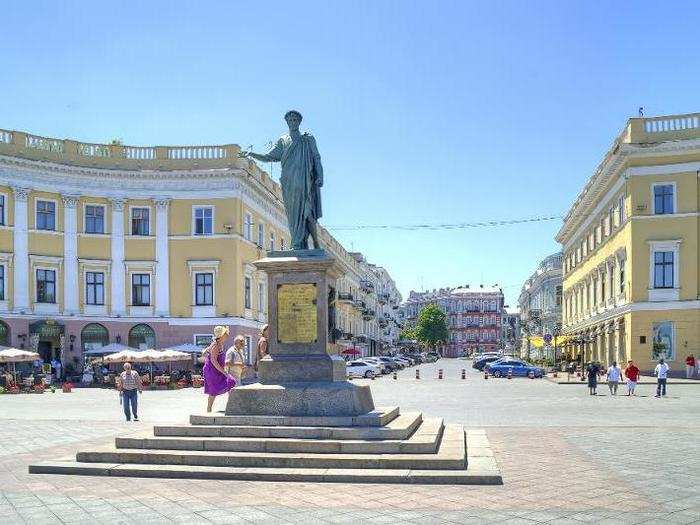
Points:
[(129, 384)]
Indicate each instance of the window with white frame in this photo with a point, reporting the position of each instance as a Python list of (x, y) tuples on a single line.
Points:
[(621, 210), (246, 292), (203, 220), (2, 283), (94, 218), (204, 289), (261, 297), (45, 286), (248, 227), (140, 221), (272, 241), (95, 288), (2, 210), (140, 289), (663, 269), (261, 234), (663, 198), (45, 215), (621, 272)]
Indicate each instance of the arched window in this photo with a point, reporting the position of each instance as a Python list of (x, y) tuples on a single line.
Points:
[(4, 334), (142, 336), (94, 336)]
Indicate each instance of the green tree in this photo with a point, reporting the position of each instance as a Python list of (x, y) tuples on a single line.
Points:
[(431, 328), (407, 334)]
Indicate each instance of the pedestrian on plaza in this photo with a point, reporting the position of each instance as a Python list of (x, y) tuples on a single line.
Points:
[(690, 364), (235, 362), (632, 375), (260, 349), (592, 373), (614, 376), (661, 373), (129, 386), (216, 380)]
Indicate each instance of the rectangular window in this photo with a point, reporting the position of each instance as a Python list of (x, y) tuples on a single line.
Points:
[(203, 221), (261, 234), (246, 292), (272, 241), (621, 210), (261, 297), (663, 269), (602, 287), (140, 289), (622, 276), (204, 289), (95, 288), (248, 227), (558, 295), (45, 286), (663, 199), (2, 283), (45, 215), (94, 219), (139, 221), (2, 210)]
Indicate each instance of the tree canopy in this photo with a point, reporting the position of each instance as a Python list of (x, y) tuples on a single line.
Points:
[(431, 328)]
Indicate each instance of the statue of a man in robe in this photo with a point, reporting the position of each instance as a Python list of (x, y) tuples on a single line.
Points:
[(301, 180)]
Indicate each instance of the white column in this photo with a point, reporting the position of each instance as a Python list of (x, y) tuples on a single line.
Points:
[(117, 248), (21, 251), (162, 259), (70, 254)]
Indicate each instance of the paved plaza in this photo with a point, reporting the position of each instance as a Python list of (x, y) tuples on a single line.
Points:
[(565, 457)]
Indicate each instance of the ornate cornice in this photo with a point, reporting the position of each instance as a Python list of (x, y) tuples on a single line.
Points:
[(21, 194)]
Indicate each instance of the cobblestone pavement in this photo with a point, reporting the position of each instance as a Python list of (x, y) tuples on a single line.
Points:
[(566, 457)]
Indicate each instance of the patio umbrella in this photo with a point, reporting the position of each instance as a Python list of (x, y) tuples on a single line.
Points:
[(128, 355), (351, 351), (15, 355), (171, 355)]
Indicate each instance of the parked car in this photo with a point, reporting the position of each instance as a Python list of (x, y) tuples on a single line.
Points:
[(398, 362), (518, 368), (479, 364), (383, 367), (361, 369), (401, 359), (432, 357), (389, 362)]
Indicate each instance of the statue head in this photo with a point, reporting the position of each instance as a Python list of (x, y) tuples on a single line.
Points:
[(293, 118)]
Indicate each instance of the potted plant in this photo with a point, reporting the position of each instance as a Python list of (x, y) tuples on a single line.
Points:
[(67, 387)]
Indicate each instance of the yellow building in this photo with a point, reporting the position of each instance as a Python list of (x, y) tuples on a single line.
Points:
[(630, 244), (147, 246)]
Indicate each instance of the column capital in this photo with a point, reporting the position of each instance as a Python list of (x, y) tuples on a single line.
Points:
[(118, 203), (70, 201), (21, 193), (162, 203)]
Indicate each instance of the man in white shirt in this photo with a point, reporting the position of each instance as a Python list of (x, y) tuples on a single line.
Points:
[(661, 373), (614, 375)]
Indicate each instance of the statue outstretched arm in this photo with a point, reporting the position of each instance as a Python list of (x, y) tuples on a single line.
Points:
[(274, 155)]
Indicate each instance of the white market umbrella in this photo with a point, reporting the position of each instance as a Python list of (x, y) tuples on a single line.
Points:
[(16, 355), (128, 355)]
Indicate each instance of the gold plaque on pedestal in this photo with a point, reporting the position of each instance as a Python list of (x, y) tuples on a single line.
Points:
[(297, 320)]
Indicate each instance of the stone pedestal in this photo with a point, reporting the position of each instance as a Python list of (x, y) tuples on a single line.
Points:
[(299, 377)]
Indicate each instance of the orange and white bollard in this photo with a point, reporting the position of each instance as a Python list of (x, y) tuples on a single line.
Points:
[(394, 374), (510, 373), (417, 373), (372, 377), (486, 374), (464, 373), (440, 373)]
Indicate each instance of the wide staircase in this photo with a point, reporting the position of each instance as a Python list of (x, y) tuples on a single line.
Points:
[(382, 446)]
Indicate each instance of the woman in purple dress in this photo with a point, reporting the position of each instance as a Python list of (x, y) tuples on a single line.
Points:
[(216, 380)]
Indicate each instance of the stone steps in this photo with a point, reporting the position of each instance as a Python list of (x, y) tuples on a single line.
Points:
[(450, 455), (376, 418), (400, 428), (424, 440)]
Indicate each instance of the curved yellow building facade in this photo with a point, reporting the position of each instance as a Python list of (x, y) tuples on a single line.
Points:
[(147, 246)]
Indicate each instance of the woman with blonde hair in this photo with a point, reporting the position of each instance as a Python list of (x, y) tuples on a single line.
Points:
[(216, 380)]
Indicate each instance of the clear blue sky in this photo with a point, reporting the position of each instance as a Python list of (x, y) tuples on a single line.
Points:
[(424, 112)]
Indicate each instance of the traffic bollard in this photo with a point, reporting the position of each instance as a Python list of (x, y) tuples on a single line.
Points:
[(486, 374), (394, 374), (440, 373), (417, 373), (372, 377), (464, 373), (510, 373)]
